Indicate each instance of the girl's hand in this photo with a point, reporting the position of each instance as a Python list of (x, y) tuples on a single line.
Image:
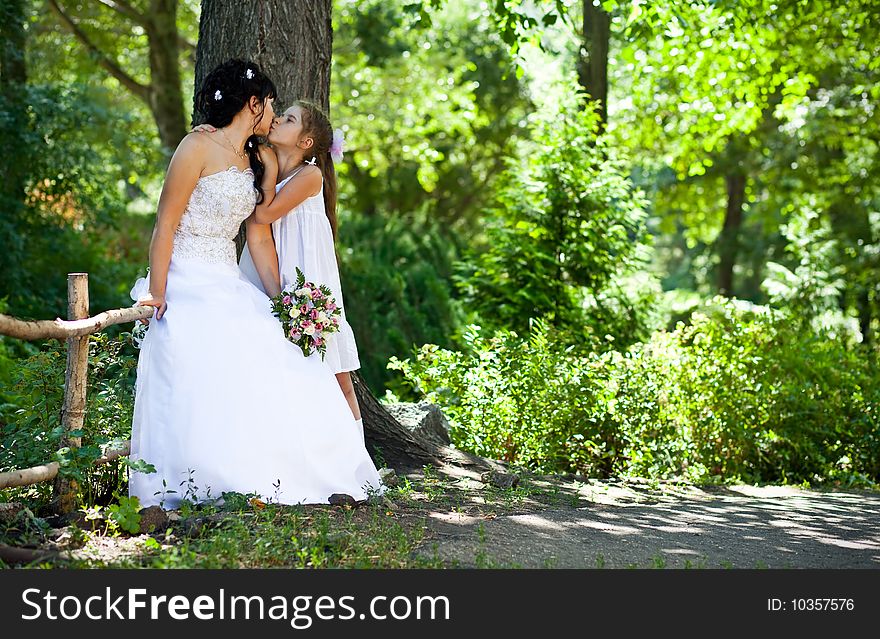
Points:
[(268, 156), (204, 128), (156, 301)]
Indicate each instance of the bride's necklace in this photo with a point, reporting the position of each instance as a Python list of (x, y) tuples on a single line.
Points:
[(236, 151)]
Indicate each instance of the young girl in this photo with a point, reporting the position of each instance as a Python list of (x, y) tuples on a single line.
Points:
[(303, 218)]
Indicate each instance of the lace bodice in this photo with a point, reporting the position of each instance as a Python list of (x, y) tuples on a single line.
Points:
[(218, 205)]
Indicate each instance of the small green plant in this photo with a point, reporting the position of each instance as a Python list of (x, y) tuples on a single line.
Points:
[(126, 514)]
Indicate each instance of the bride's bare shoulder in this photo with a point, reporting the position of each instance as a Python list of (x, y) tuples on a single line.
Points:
[(191, 152)]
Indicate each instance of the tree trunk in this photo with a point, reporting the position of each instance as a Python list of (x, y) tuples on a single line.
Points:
[(165, 95), (593, 63), (728, 241), (292, 42)]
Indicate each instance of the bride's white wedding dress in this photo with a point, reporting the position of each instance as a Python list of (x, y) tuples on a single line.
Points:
[(223, 401)]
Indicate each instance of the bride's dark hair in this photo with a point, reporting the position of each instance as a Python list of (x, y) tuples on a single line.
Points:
[(225, 91)]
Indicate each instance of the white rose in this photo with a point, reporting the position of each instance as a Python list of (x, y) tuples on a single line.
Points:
[(310, 330), (294, 312), (322, 317)]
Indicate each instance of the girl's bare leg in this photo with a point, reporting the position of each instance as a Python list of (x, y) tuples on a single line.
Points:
[(347, 387)]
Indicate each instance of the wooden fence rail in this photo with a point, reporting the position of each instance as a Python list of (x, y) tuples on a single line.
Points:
[(76, 331)]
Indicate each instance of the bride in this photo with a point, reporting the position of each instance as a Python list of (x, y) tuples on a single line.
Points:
[(223, 401)]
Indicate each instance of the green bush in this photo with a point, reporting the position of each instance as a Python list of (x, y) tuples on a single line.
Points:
[(737, 395), (521, 400), (31, 430), (567, 230)]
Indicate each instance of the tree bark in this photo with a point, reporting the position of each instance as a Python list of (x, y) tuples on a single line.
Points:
[(728, 241), (291, 40), (593, 63), (62, 329), (386, 438)]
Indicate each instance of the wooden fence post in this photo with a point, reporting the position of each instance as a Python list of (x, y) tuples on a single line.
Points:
[(75, 383)]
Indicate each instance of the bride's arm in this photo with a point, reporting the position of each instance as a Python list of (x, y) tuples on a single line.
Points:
[(180, 180), (303, 185), (262, 249)]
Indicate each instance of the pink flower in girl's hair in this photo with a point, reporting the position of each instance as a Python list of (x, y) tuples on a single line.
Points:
[(337, 145), (285, 300)]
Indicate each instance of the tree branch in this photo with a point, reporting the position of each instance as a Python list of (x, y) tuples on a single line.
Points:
[(125, 9), (140, 90), (62, 329)]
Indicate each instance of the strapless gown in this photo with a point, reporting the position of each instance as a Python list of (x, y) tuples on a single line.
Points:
[(223, 401)]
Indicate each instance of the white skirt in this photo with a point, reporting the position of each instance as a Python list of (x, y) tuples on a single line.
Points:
[(225, 403)]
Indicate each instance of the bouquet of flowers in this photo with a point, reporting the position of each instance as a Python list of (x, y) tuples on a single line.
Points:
[(308, 314)]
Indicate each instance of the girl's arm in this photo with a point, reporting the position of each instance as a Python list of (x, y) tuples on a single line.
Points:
[(270, 176), (259, 236), (183, 173), (262, 249), (303, 185)]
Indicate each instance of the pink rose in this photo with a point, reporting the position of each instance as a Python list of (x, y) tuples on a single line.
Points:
[(314, 314), (285, 300)]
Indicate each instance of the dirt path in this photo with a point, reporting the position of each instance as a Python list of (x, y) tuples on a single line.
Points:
[(570, 524)]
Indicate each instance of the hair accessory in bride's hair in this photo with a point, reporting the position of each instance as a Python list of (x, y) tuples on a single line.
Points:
[(337, 145), (249, 74), (217, 94), (250, 144), (313, 161)]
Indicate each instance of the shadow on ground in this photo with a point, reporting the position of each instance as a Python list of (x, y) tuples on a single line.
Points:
[(548, 522)]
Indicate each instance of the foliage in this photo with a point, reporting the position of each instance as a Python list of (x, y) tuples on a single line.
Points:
[(395, 281), (566, 224), (737, 395), (430, 112), (69, 216), (31, 433), (522, 400)]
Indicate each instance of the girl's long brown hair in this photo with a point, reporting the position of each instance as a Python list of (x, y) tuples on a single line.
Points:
[(316, 125)]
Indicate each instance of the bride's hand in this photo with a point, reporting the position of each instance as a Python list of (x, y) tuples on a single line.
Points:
[(156, 301), (204, 128)]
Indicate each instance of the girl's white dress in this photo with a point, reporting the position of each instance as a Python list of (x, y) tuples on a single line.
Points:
[(223, 401), (304, 239)]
